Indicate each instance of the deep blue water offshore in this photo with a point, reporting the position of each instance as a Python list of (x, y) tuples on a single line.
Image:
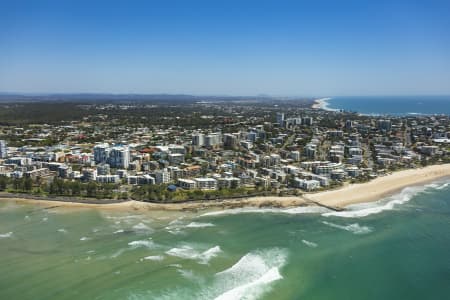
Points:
[(392, 105)]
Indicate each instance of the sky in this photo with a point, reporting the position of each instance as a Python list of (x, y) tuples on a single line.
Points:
[(281, 48)]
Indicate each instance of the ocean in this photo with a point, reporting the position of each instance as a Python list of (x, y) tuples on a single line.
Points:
[(394, 105), (396, 248)]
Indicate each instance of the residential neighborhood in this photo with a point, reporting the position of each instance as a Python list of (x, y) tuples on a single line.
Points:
[(239, 149)]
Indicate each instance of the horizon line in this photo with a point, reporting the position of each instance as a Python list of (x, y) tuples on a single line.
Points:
[(260, 95)]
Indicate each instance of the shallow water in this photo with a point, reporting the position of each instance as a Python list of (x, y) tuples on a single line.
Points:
[(397, 248)]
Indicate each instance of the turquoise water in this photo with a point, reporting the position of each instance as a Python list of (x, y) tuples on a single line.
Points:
[(400, 105), (397, 248)]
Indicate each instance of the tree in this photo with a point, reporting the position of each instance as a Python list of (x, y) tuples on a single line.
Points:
[(3, 183), (76, 188), (17, 183), (52, 188), (91, 189), (423, 161), (28, 184)]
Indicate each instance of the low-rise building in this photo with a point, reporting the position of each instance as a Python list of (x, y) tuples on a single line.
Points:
[(305, 184), (206, 183), (108, 179), (187, 184)]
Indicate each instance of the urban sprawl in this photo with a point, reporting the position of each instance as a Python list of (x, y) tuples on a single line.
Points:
[(212, 150)]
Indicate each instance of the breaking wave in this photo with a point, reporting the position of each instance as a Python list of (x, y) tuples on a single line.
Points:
[(154, 257), (188, 252), (251, 276), (252, 289), (199, 225), (174, 227), (438, 186), (309, 244), (293, 211), (142, 243), (6, 235), (141, 227), (389, 203), (354, 228), (149, 244)]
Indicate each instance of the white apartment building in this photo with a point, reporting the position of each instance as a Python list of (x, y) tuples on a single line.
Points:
[(198, 139), (206, 183), (119, 157), (187, 184), (162, 176)]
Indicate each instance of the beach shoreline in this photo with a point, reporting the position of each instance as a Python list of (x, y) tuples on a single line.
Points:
[(132, 205), (373, 190), (381, 187), (321, 104)]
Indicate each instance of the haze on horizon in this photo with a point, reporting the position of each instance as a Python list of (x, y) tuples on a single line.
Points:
[(289, 48)]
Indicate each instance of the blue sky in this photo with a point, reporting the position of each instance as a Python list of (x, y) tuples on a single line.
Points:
[(291, 48)]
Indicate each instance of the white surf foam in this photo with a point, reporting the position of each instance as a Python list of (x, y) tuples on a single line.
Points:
[(154, 257), (352, 211), (309, 244), (62, 230), (354, 228), (305, 210), (251, 276), (253, 289), (124, 218), (6, 235), (199, 225), (118, 231), (84, 238), (174, 227), (142, 243), (325, 105), (188, 252), (294, 211), (141, 227), (183, 252), (389, 203), (210, 253), (176, 232), (134, 245), (438, 186), (235, 211)]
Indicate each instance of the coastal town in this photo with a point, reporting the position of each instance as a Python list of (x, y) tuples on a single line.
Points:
[(176, 151)]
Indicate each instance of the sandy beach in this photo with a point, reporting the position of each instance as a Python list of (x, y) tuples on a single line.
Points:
[(380, 187), (349, 194), (320, 103), (269, 201)]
